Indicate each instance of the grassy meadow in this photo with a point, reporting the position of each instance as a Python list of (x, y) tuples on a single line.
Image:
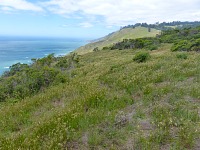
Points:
[(112, 102)]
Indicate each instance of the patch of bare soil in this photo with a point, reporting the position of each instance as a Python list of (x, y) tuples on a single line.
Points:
[(163, 84), (84, 139), (72, 145), (129, 145), (125, 116), (165, 147), (191, 99), (58, 103), (145, 125), (197, 145), (188, 81)]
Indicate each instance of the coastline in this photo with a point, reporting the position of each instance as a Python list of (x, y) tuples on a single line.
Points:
[(13, 50)]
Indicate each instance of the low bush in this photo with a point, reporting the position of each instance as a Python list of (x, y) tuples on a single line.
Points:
[(153, 47), (182, 56), (141, 57)]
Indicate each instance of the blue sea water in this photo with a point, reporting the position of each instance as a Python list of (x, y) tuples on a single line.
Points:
[(23, 49)]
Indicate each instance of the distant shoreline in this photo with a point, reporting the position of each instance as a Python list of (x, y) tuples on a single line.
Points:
[(23, 49)]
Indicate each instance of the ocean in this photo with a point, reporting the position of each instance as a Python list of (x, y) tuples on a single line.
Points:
[(23, 49)]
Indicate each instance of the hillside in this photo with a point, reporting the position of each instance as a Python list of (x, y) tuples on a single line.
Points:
[(135, 98), (152, 105), (127, 33)]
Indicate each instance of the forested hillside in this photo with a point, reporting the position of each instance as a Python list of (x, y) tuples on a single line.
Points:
[(166, 25)]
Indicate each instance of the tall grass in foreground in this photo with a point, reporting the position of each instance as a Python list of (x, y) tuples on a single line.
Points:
[(112, 102)]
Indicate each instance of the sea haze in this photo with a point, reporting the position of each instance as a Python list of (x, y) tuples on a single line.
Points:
[(22, 49)]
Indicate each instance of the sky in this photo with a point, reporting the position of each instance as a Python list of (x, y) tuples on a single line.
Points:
[(88, 18)]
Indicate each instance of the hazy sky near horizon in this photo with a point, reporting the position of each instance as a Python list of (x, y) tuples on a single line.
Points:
[(88, 18)]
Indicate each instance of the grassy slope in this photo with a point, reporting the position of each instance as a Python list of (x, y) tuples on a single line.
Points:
[(118, 36), (112, 103)]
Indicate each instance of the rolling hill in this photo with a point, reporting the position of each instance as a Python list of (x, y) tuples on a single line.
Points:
[(127, 33)]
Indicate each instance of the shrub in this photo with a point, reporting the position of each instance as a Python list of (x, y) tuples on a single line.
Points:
[(195, 48), (96, 49), (182, 45), (181, 56), (141, 57), (153, 47), (106, 48)]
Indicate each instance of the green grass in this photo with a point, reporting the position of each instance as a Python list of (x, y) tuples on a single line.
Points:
[(118, 36), (112, 102)]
